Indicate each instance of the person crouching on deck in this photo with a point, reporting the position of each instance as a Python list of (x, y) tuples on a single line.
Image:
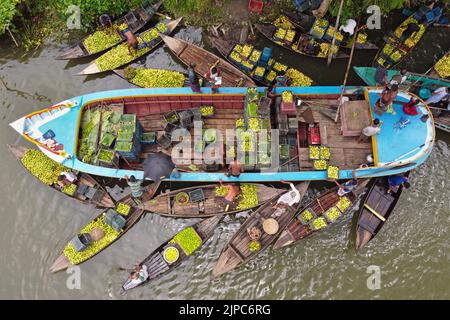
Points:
[(370, 131), (289, 199), (107, 24), (235, 168), (234, 189), (397, 180), (348, 186), (66, 178), (132, 42)]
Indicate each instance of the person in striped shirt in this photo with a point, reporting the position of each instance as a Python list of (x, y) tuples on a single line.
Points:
[(135, 185)]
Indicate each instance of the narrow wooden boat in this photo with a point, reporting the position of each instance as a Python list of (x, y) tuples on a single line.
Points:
[(135, 20), (71, 257), (226, 47), (396, 50), (268, 31), (305, 22), (377, 208), (76, 123), (237, 252), (102, 200), (121, 73), (441, 68), (167, 205), (189, 53), (156, 263), (94, 67), (327, 204)]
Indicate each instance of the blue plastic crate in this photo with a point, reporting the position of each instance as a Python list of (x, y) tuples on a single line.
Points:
[(266, 54)]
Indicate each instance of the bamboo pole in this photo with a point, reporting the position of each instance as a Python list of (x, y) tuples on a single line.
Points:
[(12, 36), (330, 50), (347, 71)]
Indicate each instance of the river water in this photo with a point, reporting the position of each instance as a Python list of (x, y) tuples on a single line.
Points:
[(412, 252)]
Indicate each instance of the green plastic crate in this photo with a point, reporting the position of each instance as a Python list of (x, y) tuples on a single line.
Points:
[(124, 146), (125, 136), (128, 118), (107, 140)]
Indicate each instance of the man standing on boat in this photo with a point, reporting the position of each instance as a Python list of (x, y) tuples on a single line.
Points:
[(193, 79), (214, 78), (135, 185)]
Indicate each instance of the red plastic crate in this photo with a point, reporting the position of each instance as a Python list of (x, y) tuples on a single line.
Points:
[(255, 6)]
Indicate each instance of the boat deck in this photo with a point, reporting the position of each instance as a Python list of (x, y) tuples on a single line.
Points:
[(345, 152)]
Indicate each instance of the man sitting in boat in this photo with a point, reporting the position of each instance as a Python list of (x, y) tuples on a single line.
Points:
[(348, 186), (66, 178), (235, 168), (348, 29), (282, 80), (234, 189), (107, 24), (193, 79), (410, 108), (395, 181), (309, 47), (398, 79), (139, 275)]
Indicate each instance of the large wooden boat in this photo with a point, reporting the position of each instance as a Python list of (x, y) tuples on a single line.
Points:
[(396, 48), (156, 263), (70, 122), (269, 73), (328, 207), (70, 256), (102, 198), (305, 22), (377, 208), (135, 20), (211, 204), (189, 54), (237, 251), (415, 83), (121, 50), (269, 30)]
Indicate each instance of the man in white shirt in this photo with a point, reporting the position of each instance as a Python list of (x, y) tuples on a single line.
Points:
[(139, 275), (437, 95), (370, 131), (348, 29), (66, 178), (289, 198)]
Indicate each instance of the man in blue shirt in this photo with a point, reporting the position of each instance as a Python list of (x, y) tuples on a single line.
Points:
[(396, 181)]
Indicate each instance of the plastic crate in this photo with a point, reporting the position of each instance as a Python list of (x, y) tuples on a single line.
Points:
[(171, 117), (266, 54), (255, 6), (128, 118), (148, 138)]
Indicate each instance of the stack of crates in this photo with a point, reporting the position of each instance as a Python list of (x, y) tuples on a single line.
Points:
[(128, 144), (114, 219)]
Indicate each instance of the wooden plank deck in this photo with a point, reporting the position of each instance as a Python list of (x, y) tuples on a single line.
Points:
[(346, 153)]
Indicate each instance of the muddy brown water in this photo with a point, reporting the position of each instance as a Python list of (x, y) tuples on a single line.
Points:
[(412, 252)]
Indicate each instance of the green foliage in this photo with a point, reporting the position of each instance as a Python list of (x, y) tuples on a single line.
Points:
[(7, 13), (194, 11), (91, 10), (352, 9)]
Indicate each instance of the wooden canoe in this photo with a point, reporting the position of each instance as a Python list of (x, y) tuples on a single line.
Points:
[(189, 53), (225, 47), (142, 16), (157, 265), (166, 204), (377, 201), (171, 26), (296, 230), (236, 252), (121, 73), (305, 22), (83, 179), (62, 262), (268, 30)]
